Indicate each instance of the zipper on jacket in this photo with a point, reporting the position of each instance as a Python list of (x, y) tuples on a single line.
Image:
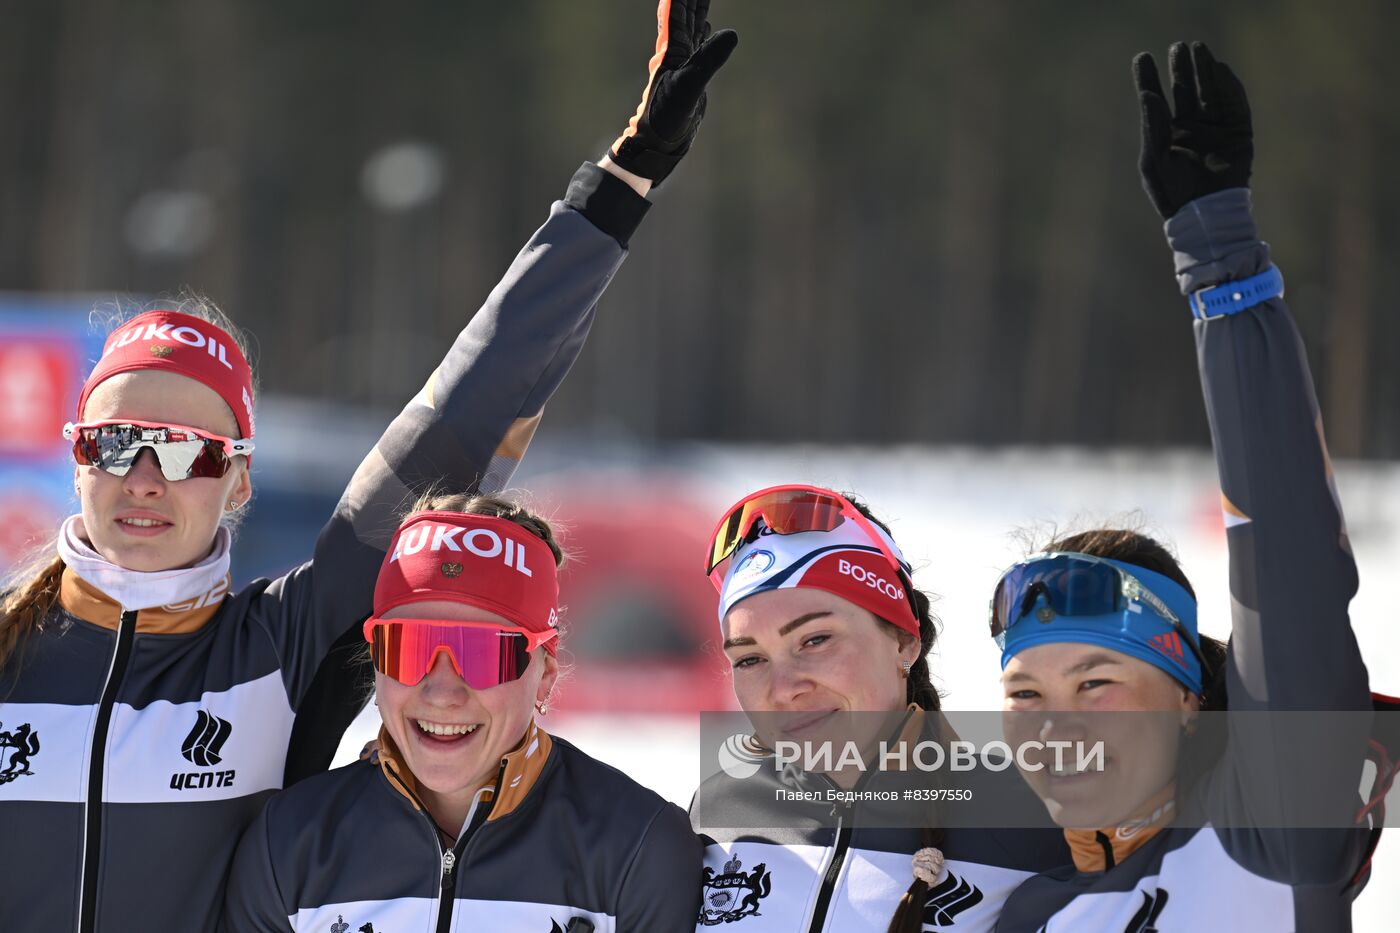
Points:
[(449, 862), (832, 875), (1108, 860), (450, 858), (833, 872), (97, 754)]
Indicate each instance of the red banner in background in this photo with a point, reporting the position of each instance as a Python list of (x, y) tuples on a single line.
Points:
[(38, 388), (639, 621), (45, 346), (25, 522)]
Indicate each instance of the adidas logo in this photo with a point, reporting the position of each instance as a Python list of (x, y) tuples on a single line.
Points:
[(1169, 643)]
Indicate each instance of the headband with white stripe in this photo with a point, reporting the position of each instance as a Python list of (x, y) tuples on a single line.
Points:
[(843, 561)]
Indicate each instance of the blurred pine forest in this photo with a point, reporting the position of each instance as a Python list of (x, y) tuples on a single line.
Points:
[(902, 221)]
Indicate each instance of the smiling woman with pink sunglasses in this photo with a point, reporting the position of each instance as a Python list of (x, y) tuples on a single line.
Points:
[(469, 816)]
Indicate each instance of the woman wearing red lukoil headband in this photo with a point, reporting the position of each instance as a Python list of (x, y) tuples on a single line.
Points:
[(470, 816), (147, 708)]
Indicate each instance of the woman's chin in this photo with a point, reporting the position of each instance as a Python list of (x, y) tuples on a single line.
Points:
[(1078, 814), (148, 554)]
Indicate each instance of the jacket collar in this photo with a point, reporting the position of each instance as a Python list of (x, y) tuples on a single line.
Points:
[(82, 600), (1098, 850), (520, 769)]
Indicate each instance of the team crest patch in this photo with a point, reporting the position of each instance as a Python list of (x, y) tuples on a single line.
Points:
[(451, 570), (16, 748), (161, 350), (754, 565), (340, 926), (733, 894)]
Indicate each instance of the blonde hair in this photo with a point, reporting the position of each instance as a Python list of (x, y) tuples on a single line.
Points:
[(31, 590)]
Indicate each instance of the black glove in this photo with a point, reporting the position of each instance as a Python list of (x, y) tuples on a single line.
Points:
[(1208, 145), (673, 102)]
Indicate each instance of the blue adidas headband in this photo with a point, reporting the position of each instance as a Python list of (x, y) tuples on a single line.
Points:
[(1137, 630)]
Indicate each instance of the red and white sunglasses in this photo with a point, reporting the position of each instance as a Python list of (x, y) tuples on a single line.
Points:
[(182, 452)]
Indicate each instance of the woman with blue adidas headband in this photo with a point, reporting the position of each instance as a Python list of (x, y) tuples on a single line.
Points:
[(1105, 623)]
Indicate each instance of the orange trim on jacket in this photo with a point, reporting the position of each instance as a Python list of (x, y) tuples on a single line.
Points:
[(81, 599), (520, 769), (1090, 847)]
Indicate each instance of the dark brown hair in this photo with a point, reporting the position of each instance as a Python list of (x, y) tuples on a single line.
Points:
[(909, 915), (920, 689), (1136, 548)]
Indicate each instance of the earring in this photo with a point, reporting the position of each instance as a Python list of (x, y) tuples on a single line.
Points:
[(542, 706), (233, 505), (906, 667)]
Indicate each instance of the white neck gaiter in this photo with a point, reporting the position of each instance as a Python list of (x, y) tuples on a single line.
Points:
[(139, 589)]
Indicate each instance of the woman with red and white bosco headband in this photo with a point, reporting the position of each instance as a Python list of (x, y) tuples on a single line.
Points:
[(147, 709), (469, 816), (820, 618)]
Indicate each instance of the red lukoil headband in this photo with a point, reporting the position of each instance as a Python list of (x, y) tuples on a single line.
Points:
[(480, 560), (184, 344)]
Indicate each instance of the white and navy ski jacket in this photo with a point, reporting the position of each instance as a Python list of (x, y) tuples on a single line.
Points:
[(1292, 647), (151, 739), (840, 869), (558, 842)]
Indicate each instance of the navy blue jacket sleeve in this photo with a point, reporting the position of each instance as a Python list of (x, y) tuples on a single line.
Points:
[(661, 890), (466, 431), (1292, 574)]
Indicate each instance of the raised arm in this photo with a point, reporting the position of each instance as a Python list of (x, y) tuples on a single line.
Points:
[(470, 425), (1291, 568)]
